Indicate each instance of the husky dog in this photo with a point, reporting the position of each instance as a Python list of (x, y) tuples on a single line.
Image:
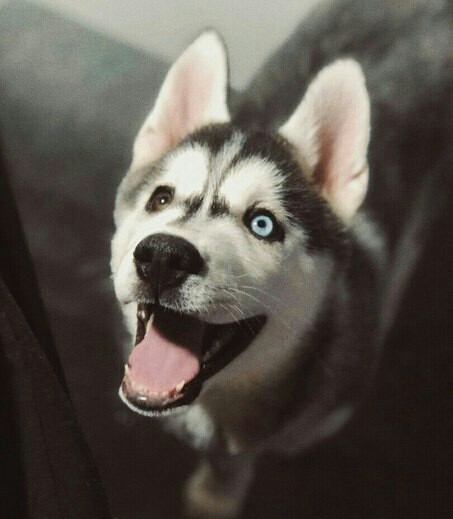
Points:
[(256, 285)]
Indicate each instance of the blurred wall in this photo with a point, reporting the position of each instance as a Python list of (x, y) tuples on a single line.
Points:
[(252, 29)]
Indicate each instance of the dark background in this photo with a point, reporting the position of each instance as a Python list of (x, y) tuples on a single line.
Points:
[(70, 103)]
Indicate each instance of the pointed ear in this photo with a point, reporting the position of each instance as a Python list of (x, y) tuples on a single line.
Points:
[(330, 131), (194, 94)]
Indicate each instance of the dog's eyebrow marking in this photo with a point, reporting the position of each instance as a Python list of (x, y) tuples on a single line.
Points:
[(218, 207), (192, 206)]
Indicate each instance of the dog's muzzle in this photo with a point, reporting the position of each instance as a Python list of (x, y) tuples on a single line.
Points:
[(175, 353)]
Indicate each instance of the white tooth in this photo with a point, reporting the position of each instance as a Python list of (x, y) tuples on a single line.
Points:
[(142, 398), (141, 314), (180, 386), (126, 369), (149, 323)]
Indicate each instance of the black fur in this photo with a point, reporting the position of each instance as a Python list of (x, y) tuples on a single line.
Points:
[(213, 136), (218, 207), (192, 206)]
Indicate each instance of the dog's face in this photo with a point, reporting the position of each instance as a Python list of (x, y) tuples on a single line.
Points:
[(219, 230), (225, 207)]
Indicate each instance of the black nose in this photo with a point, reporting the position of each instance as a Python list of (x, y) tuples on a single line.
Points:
[(164, 261)]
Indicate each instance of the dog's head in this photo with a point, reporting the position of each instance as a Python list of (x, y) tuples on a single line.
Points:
[(219, 229)]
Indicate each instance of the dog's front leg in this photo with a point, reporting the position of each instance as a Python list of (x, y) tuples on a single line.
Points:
[(218, 487)]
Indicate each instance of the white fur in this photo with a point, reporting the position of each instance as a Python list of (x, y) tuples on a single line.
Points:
[(193, 425), (188, 171)]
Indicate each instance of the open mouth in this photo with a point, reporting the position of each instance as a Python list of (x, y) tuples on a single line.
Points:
[(175, 353)]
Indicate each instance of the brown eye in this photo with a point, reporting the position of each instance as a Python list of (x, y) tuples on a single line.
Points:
[(160, 199)]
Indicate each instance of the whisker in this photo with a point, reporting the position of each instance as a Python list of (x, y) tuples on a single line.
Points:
[(278, 299), (230, 291), (242, 322), (253, 298), (238, 309), (279, 319), (227, 290), (241, 276), (229, 311)]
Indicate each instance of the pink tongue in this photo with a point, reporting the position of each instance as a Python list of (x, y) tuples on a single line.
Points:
[(159, 363)]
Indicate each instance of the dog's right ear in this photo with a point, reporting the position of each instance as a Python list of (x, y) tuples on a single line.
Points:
[(330, 131), (194, 94)]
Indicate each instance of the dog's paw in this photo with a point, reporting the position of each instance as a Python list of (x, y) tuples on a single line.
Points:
[(206, 497)]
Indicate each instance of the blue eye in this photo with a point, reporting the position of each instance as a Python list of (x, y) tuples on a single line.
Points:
[(262, 225)]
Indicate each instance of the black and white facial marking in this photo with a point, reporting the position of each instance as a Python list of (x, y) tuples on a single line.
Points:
[(242, 202)]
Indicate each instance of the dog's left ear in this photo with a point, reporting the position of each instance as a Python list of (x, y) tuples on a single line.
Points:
[(330, 131), (194, 94)]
